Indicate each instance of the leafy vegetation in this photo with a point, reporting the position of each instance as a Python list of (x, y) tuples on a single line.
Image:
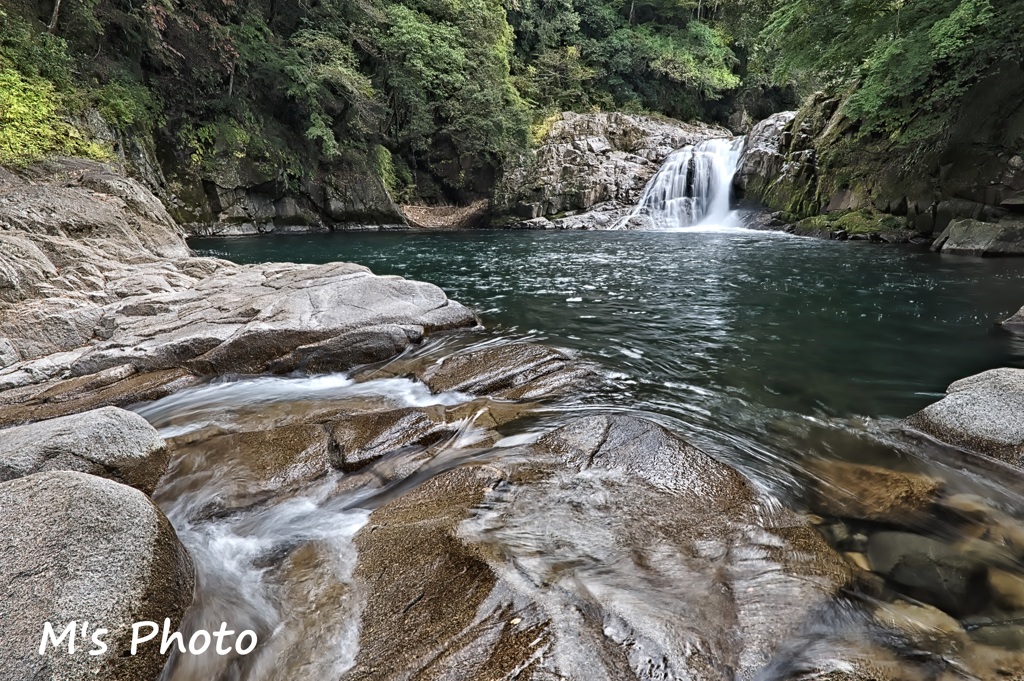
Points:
[(451, 88), (907, 63)]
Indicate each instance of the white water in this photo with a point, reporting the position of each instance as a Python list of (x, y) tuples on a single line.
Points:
[(692, 189)]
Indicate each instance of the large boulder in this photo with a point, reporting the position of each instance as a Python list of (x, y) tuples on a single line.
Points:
[(973, 237), (83, 549), (610, 549), (108, 442), (984, 413), (590, 160)]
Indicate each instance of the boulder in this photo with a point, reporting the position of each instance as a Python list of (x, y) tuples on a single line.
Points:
[(931, 571), (973, 237), (608, 549), (109, 442), (517, 371), (871, 493), (85, 549), (984, 413), (763, 157)]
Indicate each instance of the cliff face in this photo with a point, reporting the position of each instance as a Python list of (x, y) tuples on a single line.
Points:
[(588, 162), (814, 162)]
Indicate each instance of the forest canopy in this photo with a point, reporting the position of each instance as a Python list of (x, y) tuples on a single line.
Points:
[(439, 92)]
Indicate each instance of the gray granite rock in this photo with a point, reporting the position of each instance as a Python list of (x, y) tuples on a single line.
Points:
[(983, 412), (108, 442), (80, 548), (973, 237)]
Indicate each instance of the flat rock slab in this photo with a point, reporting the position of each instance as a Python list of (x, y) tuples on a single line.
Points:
[(108, 442), (984, 413), (78, 547)]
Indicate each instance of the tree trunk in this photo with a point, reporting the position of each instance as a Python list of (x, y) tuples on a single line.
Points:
[(53, 19)]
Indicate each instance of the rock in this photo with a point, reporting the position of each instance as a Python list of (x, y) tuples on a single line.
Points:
[(103, 281), (363, 438), (763, 157), (108, 442), (590, 160), (536, 573), (515, 371), (973, 237), (984, 413), (1007, 589), (872, 493), (364, 346), (118, 386), (924, 627), (1008, 635), (931, 571), (85, 549), (76, 198)]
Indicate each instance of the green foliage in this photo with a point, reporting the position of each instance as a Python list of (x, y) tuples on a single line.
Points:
[(654, 55), (30, 124), (125, 103), (910, 63)]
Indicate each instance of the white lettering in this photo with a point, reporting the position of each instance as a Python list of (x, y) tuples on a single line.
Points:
[(135, 634), (174, 639), (192, 642), (68, 633), (219, 635), (238, 642), (101, 647)]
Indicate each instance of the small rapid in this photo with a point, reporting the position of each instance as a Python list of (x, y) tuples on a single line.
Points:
[(693, 188)]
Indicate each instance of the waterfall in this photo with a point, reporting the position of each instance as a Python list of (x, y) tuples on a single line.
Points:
[(693, 186)]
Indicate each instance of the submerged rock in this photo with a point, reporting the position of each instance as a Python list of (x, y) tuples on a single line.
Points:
[(984, 413), (931, 571), (872, 493), (81, 548), (108, 442)]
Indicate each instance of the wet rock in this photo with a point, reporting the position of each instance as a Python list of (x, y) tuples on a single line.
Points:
[(547, 592), (1007, 589), (108, 442), (931, 571), (872, 493), (410, 565), (973, 237), (924, 627), (1005, 633), (348, 350), (119, 386), (361, 439), (79, 547), (516, 371), (984, 413), (255, 463)]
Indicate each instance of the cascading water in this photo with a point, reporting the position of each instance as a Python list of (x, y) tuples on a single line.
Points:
[(693, 186)]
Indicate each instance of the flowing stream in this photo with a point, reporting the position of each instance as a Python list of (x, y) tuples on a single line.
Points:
[(761, 348)]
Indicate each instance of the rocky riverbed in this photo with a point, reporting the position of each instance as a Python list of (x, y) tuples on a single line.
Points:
[(342, 464)]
